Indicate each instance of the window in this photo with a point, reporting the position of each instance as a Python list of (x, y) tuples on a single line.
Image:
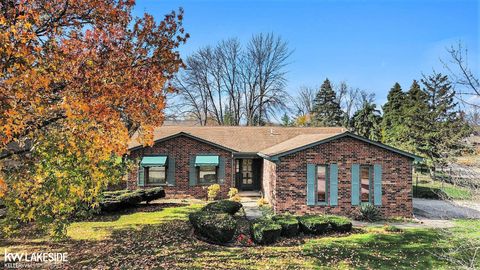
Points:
[(156, 175), (366, 173), (207, 174), (322, 183)]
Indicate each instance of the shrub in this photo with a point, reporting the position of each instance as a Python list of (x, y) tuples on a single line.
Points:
[(370, 212), (214, 226), (265, 231), (340, 224), (232, 192), (117, 200), (262, 202), (153, 194), (223, 206), (311, 224), (267, 211), (289, 225), (213, 191), (391, 228)]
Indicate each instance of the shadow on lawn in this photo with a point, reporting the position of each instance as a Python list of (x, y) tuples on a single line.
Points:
[(412, 249)]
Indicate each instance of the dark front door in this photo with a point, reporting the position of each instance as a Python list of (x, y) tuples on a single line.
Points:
[(247, 174)]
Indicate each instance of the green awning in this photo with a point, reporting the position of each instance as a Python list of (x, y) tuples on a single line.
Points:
[(153, 161), (206, 161)]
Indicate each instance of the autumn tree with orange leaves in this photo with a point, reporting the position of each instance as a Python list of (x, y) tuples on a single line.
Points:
[(77, 80)]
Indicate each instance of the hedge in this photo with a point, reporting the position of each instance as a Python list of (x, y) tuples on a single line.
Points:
[(311, 224), (340, 224), (118, 200), (265, 231), (214, 226), (290, 226), (223, 206)]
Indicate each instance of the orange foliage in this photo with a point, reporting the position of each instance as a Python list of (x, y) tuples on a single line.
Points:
[(84, 59)]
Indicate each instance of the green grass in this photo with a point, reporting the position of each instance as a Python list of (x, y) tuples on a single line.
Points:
[(100, 230), (163, 239), (427, 188)]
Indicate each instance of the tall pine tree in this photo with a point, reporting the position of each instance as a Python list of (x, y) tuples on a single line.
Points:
[(366, 121), (326, 109), (393, 116), (447, 126)]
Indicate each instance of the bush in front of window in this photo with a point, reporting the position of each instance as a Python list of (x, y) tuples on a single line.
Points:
[(370, 212), (216, 227), (290, 226), (265, 231), (313, 224), (340, 224), (213, 191), (223, 206)]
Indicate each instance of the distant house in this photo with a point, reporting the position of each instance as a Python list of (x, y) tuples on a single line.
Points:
[(298, 170)]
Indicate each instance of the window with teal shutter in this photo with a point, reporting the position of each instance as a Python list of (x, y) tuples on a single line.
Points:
[(171, 171), (355, 184), (333, 184), (311, 184), (192, 175), (221, 170), (377, 184), (141, 176)]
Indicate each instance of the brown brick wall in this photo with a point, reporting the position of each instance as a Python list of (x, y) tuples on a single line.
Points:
[(182, 148), (290, 192), (269, 180)]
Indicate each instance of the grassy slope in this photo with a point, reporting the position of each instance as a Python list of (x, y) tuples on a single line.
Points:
[(163, 238), (454, 192)]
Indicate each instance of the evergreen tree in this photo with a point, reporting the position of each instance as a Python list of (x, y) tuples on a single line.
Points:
[(326, 109), (447, 128), (410, 133), (366, 121), (393, 116), (286, 120)]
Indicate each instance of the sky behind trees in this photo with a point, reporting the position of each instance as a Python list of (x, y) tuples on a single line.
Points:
[(369, 44)]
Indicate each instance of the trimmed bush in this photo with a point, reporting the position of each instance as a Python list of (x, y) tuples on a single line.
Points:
[(216, 227), (152, 194), (311, 224), (340, 224), (223, 206), (118, 200), (289, 225), (265, 231), (370, 212)]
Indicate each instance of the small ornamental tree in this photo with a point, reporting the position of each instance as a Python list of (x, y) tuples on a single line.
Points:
[(78, 79)]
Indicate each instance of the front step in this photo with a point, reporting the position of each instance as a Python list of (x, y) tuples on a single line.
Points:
[(250, 194)]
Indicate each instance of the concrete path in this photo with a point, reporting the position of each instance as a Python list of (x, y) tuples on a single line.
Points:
[(249, 201)]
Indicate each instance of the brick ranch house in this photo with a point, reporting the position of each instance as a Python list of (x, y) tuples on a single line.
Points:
[(298, 170)]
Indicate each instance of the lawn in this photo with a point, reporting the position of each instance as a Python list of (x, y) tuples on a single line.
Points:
[(159, 236), (425, 186)]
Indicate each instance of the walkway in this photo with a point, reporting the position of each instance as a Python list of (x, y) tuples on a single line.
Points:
[(249, 201)]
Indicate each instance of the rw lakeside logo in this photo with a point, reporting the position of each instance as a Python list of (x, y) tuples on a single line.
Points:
[(18, 260)]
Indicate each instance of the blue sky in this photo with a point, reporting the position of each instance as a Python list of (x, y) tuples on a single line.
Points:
[(369, 44)]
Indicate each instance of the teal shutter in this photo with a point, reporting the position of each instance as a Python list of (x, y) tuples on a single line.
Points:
[(377, 184), (333, 184), (171, 171), (311, 184), (221, 170), (192, 176), (141, 176), (355, 184)]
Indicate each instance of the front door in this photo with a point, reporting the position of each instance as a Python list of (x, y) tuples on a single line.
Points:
[(246, 175)]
